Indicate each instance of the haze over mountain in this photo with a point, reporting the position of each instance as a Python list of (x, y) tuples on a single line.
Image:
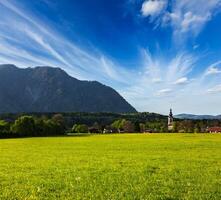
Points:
[(191, 116), (47, 89)]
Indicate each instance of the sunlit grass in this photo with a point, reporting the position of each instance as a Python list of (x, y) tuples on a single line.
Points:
[(127, 166)]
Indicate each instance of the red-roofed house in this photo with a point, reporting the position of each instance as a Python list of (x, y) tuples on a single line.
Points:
[(216, 129)]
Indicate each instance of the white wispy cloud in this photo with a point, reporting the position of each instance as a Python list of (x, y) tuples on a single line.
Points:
[(215, 89), (157, 80), (213, 69), (180, 66), (162, 85), (153, 8), (186, 17), (155, 86), (163, 92), (181, 81)]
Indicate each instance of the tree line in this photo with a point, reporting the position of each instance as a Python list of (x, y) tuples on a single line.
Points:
[(29, 126), (63, 124)]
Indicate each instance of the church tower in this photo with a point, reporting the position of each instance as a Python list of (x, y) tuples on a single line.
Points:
[(170, 121)]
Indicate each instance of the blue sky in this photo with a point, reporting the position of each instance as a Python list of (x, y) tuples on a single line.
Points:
[(157, 54)]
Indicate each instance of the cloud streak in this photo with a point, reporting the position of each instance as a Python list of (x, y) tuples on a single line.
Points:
[(30, 41), (216, 89), (181, 81), (214, 69), (163, 92)]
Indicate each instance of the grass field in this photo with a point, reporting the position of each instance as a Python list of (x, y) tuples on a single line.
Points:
[(158, 166)]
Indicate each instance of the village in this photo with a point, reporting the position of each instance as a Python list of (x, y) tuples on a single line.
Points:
[(172, 125)]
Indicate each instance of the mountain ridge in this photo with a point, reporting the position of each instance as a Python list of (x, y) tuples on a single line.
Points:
[(192, 116), (49, 89)]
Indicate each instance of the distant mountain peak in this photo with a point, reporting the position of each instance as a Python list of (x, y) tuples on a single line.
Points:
[(8, 66), (48, 89)]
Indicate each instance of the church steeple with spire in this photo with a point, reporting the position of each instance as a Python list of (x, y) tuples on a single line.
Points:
[(170, 120)]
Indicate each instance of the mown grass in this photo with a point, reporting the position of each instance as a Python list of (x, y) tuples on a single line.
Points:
[(158, 166)]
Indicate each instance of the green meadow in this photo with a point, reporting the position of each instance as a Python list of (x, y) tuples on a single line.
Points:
[(126, 166)]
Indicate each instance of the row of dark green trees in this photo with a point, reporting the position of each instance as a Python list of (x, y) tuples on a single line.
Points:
[(12, 126), (29, 126)]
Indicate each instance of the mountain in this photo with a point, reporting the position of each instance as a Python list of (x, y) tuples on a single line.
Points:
[(190, 116), (47, 89)]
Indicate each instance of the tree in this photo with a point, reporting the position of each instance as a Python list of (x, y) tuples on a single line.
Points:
[(80, 128), (97, 126), (24, 126), (137, 127), (163, 129), (175, 127), (53, 128), (142, 128), (128, 127), (197, 128), (4, 126), (5, 129), (59, 119), (58, 123), (118, 124), (40, 129), (74, 128)]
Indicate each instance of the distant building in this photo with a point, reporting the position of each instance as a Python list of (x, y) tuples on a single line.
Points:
[(109, 129), (94, 130), (215, 129), (170, 121), (147, 131)]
